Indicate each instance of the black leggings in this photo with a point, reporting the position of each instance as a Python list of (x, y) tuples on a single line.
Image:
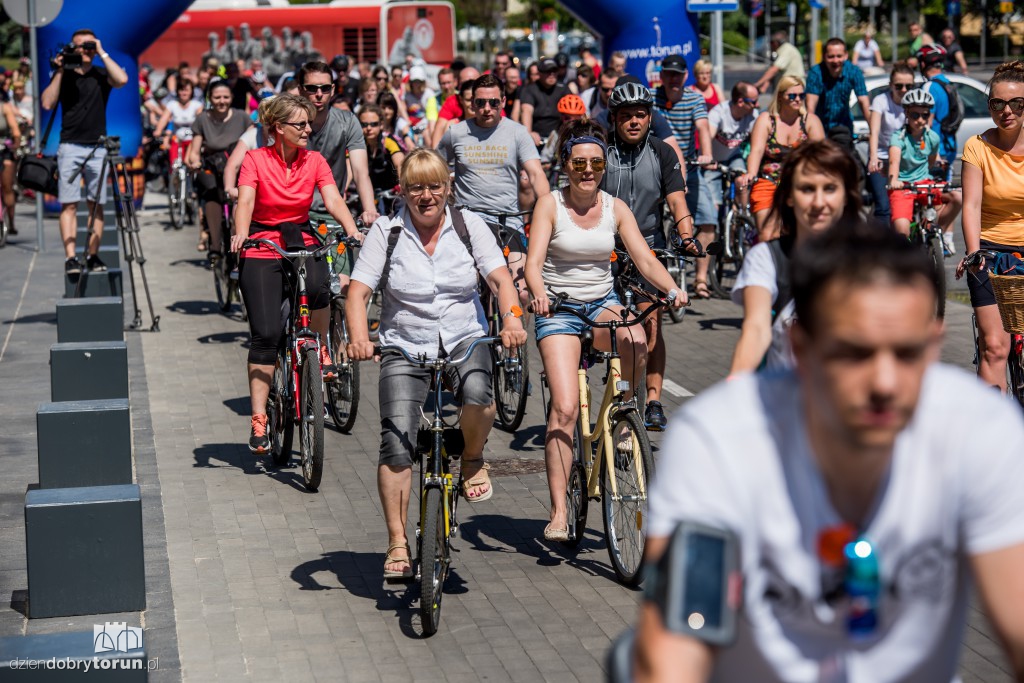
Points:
[(263, 282)]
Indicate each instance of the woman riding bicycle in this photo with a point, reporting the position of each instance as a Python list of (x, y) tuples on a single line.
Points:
[(393, 124), (818, 188), (431, 305), (571, 238), (776, 133), (993, 186), (887, 116), (182, 112), (214, 134), (384, 154), (10, 140), (275, 191), (913, 152)]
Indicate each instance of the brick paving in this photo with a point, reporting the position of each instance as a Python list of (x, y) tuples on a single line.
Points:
[(251, 578)]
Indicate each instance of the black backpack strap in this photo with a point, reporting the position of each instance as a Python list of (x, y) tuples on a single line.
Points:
[(781, 260), (459, 223), (393, 235)]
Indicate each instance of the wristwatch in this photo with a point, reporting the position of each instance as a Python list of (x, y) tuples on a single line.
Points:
[(516, 312), (104, 55)]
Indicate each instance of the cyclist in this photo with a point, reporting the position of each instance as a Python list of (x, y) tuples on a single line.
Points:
[(703, 85), (455, 108), (993, 182), (182, 113), (571, 108), (538, 102), (788, 61), (385, 155), (776, 133), (730, 125), (596, 98), (573, 232), (833, 81), (215, 132), (489, 152), (10, 140), (421, 103), (946, 118), (869, 488), (426, 260), (912, 154), (817, 189), (644, 173), (887, 116), (275, 191), (394, 125)]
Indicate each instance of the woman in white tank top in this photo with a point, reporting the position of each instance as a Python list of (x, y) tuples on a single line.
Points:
[(571, 239)]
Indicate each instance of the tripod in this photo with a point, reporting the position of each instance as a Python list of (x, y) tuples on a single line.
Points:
[(127, 224)]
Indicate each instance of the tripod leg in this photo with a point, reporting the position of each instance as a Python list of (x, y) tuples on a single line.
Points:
[(129, 223)]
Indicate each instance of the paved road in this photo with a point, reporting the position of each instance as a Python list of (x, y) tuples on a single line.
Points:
[(256, 579)]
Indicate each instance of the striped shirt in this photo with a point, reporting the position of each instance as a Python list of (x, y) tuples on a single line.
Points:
[(682, 116)]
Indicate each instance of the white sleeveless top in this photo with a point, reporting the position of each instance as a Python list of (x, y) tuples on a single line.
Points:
[(184, 117), (578, 262)]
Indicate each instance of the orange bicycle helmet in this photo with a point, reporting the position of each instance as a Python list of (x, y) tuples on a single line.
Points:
[(572, 105)]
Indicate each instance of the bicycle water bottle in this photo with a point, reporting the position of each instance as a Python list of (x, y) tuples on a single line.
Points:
[(863, 588)]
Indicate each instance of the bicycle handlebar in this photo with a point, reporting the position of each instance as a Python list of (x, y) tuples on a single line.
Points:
[(422, 361), (252, 243), (926, 186), (976, 257), (557, 305), (496, 214)]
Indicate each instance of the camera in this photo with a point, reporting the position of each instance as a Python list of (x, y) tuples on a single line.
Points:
[(72, 58)]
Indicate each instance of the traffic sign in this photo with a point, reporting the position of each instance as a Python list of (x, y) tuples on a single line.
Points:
[(712, 5), (1006, 7), (819, 4), (33, 13)]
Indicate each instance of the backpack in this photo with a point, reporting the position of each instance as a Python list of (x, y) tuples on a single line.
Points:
[(951, 124), (458, 222)]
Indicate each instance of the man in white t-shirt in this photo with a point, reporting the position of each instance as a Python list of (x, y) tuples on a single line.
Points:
[(730, 123), (869, 445)]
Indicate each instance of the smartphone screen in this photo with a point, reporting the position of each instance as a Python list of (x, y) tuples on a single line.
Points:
[(705, 581)]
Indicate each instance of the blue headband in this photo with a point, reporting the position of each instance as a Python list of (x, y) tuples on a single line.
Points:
[(582, 140)]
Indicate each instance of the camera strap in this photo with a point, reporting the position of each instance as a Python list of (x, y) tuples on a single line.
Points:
[(49, 127)]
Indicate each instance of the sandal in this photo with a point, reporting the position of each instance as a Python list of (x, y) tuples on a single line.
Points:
[(700, 289), (204, 239), (553, 534), (388, 559), (481, 478)]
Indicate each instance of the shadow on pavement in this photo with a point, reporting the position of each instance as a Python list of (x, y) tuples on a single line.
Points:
[(50, 318), (236, 337), (195, 307), (241, 405), (721, 322), (200, 263), (230, 454), (531, 438)]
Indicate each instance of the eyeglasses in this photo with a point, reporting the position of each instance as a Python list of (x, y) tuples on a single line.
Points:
[(850, 570), (996, 105), (579, 165), (902, 86), (794, 96), (370, 124), (481, 102), (297, 125), (417, 190), (917, 115), (314, 89)]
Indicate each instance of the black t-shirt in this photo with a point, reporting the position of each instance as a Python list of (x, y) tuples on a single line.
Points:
[(949, 61), (83, 99), (546, 118), (348, 92), (240, 93), (511, 98)]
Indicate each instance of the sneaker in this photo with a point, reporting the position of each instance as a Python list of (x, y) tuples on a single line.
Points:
[(73, 266), (330, 371), (94, 264), (259, 442), (947, 244), (654, 417)]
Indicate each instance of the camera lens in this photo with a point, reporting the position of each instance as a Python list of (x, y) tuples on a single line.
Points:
[(89, 45)]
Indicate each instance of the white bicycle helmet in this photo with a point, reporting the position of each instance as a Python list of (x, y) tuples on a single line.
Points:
[(918, 97), (629, 93)]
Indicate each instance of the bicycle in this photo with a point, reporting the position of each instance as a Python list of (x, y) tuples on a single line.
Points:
[(738, 235), (180, 194), (438, 523), (225, 266), (297, 391), (1010, 302), (925, 230), (510, 372), (602, 468)]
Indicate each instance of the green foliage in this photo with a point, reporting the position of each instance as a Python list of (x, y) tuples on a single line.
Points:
[(10, 39)]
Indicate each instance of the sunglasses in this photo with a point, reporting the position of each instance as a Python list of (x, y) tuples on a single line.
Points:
[(916, 115), (579, 165), (747, 100), (436, 189), (381, 78), (314, 89), (297, 125), (370, 124), (492, 102), (850, 575), (794, 96), (902, 86), (996, 105)]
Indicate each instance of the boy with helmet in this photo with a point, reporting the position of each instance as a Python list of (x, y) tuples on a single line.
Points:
[(912, 153)]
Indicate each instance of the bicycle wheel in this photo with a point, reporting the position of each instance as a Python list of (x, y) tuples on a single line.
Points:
[(373, 316), (311, 429), (625, 515), (722, 269), (510, 376), (433, 559), (174, 199), (222, 283), (279, 414), (5, 227), (675, 270), (342, 393), (1015, 371), (934, 247), (577, 501)]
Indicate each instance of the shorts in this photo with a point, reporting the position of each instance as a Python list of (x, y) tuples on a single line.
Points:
[(77, 162), (713, 177), (341, 264), (901, 202), (762, 195), (403, 388), (567, 323), (698, 198), (978, 283)]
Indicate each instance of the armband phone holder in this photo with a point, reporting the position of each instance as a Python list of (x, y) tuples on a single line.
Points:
[(697, 585)]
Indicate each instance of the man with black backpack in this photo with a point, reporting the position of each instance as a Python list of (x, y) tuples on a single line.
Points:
[(948, 113)]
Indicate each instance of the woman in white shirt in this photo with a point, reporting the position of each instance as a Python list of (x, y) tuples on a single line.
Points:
[(886, 117), (866, 53), (571, 239), (430, 299)]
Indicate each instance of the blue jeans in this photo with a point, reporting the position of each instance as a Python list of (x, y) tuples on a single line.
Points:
[(877, 181)]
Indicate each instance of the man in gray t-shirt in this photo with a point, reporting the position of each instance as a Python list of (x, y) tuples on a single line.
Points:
[(489, 151)]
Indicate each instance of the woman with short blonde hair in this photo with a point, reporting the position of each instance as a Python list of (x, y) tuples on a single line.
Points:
[(703, 85)]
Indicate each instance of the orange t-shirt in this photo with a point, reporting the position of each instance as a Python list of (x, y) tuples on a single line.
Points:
[(1002, 191), (283, 194)]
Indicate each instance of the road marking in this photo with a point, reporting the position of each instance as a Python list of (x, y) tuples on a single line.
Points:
[(675, 389), (17, 311)]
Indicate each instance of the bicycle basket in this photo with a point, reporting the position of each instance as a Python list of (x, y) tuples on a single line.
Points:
[(1009, 291)]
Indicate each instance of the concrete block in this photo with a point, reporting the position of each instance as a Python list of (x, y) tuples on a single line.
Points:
[(88, 371), (108, 239), (107, 283), (84, 443), (84, 551), (109, 254), (33, 658), (99, 318)]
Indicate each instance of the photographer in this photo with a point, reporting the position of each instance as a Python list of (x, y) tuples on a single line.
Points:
[(82, 89)]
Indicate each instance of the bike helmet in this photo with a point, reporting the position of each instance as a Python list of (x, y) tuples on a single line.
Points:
[(572, 105), (630, 93), (931, 54), (918, 97)]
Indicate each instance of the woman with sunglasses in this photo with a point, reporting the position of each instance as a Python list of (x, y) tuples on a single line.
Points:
[(887, 116), (572, 235), (394, 125), (275, 192), (385, 155), (776, 133), (993, 190), (427, 261)]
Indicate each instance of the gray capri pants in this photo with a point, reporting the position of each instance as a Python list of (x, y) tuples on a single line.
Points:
[(404, 388)]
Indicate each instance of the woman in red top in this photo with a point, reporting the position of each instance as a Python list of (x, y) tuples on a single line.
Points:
[(275, 191), (702, 84)]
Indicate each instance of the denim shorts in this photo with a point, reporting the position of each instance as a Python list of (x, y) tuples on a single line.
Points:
[(567, 323), (698, 198)]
